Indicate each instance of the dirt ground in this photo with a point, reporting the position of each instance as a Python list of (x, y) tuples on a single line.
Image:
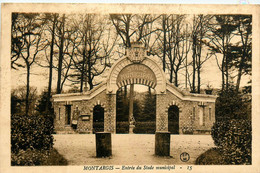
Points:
[(130, 149)]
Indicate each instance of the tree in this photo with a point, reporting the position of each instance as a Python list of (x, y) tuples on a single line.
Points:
[(15, 103), (43, 103), (149, 107), (64, 41), (18, 100), (128, 25), (94, 48), (49, 29), (199, 29), (16, 46), (122, 107), (232, 105), (60, 44), (172, 45), (28, 41), (222, 30), (242, 51)]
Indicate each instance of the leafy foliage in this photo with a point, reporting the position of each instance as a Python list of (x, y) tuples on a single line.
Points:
[(32, 157), (31, 132), (234, 139), (144, 112), (232, 105), (122, 106), (18, 100), (212, 156), (148, 127), (148, 113), (122, 127), (232, 131), (42, 107)]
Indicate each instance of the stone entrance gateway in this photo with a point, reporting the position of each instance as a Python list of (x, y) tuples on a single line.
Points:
[(196, 112)]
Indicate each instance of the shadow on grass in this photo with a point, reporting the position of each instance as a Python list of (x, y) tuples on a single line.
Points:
[(56, 158), (211, 157)]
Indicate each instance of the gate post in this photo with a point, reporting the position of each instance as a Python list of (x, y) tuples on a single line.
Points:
[(103, 144), (162, 143)]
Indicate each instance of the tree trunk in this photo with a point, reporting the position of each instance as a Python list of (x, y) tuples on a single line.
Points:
[(171, 73), (223, 73), (90, 81), (199, 65), (27, 89), (240, 71), (193, 64), (164, 42), (227, 84), (198, 72), (238, 78), (81, 79), (60, 56), (83, 70), (131, 103), (176, 79), (50, 66)]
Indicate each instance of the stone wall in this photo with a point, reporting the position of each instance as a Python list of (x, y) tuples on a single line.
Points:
[(85, 107), (189, 114)]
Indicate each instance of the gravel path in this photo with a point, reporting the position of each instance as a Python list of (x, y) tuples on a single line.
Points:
[(130, 149)]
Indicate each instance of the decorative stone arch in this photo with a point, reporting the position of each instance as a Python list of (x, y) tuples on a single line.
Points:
[(113, 85), (173, 103), (98, 102), (102, 105)]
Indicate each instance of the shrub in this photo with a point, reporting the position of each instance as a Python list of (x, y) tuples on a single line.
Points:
[(28, 157), (145, 127), (140, 127), (212, 156), (31, 132), (232, 105), (122, 127), (31, 157), (234, 138)]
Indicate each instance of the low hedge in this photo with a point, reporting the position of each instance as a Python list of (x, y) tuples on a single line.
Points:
[(122, 127), (140, 127), (234, 139), (31, 132), (145, 127)]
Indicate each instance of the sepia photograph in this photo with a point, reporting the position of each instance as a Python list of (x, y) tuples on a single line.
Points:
[(113, 87)]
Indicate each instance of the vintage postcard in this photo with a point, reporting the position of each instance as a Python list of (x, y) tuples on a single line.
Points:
[(129, 87)]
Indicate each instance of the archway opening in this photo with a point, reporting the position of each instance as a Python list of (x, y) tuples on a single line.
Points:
[(144, 109), (173, 119), (98, 119)]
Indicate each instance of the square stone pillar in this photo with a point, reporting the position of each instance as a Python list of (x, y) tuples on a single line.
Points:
[(103, 144), (162, 143)]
